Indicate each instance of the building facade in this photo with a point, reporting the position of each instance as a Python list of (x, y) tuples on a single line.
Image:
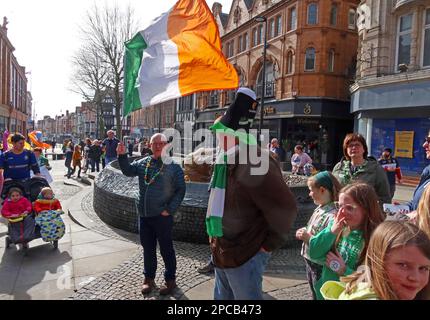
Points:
[(310, 62), (149, 120), (13, 87), (391, 94)]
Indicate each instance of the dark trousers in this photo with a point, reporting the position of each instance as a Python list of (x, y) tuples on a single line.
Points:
[(95, 165), (392, 190), (313, 273), (153, 229)]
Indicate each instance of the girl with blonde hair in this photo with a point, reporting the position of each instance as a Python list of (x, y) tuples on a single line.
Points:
[(422, 218), (396, 267)]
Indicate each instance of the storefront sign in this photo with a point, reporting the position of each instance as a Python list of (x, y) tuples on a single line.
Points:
[(269, 110), (307, 109), (404, 144), (307, 121)]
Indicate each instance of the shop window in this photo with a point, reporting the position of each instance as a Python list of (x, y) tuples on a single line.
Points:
[(404, 38), (312, 13), (310, 59)]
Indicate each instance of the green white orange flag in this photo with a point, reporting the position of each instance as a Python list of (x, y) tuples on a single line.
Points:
[(178, 54)]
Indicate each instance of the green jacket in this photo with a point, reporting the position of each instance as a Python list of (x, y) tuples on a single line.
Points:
[(349, 248), (370, 172), (334, 290)]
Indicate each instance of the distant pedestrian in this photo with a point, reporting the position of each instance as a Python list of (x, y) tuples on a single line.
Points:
[(277, 150), (68, 151), (110, 144), (94, 156), (161, 191), (144, 148), (392, 169), (87, 147), (299, 160), (77, 157)]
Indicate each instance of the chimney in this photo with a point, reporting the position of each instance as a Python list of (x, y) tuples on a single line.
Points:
[(216, 9)]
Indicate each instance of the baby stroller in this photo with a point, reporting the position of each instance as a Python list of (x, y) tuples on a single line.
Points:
[(23, 230)]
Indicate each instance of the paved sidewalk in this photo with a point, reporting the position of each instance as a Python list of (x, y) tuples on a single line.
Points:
[(96, 261)]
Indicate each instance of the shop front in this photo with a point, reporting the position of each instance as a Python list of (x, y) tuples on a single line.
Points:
[(397, 116)]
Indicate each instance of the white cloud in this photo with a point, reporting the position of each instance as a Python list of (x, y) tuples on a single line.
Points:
[(45, 34)]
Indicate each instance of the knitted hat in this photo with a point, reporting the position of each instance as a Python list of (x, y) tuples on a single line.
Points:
[(239, 115)]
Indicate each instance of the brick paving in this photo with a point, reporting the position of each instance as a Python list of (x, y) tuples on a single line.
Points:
[(124, 281)]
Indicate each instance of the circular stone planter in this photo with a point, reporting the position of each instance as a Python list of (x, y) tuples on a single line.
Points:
[(114, 203)]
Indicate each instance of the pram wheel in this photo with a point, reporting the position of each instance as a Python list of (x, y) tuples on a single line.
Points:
[(55, 244), (8, 242)]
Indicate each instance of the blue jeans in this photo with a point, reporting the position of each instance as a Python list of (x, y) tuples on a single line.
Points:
[(153, 229), (95, 164), (242, 283), (109, 159)]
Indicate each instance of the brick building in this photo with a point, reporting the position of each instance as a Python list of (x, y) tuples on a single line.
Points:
[(13, 87), (310, 62)]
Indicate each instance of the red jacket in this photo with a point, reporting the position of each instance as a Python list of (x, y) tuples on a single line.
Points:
[(46, 204), (15, 209)]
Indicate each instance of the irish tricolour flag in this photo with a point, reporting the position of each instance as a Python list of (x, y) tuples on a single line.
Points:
[(178, 54)]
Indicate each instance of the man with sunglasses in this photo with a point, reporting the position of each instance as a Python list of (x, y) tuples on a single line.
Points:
[(425, 178)]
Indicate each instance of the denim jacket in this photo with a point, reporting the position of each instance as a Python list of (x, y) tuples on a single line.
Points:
[(165, 193)]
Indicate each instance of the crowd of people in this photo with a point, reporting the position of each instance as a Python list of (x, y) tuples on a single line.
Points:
[(350, 249)]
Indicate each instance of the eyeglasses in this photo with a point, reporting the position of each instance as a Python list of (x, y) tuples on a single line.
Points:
[(352, 145), (349, 208)]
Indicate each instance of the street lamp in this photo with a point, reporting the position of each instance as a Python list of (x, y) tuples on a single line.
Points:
[(263, 91)]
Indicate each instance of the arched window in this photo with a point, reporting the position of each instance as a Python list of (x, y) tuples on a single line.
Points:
[(270, 80), (310, 59), (333, 15), (289, 62), (331, 60), (312, 13)]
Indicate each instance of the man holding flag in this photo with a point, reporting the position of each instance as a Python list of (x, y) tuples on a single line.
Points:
[(177, 55)]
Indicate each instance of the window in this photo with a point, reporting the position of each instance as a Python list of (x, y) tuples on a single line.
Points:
[(351, 19), (333, 15), (310, 59), (260, 33), (278, 29), (245, 41), (292, 19), (404, 40), (230, 49), (239, 44), (289, 62), (254, 37), (271, 28), (270, 81), (312, 13), (331, 60), (426, 40)]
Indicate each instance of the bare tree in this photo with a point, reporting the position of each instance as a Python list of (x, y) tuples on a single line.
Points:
[(106, 30)]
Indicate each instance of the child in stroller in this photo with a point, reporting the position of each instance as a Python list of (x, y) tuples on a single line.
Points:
[(48, 211), (26, 230)]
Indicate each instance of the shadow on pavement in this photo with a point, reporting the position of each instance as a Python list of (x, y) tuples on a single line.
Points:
[(40, 274)]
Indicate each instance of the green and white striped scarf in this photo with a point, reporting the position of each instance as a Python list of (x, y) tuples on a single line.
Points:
[(217, 196)]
